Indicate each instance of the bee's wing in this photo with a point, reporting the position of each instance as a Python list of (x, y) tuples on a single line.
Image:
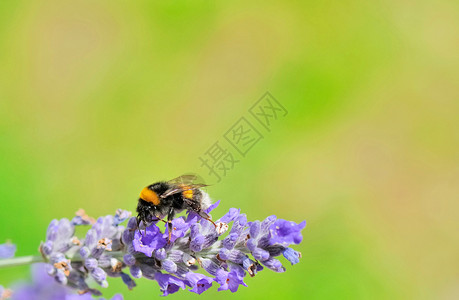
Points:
[(186, 179), (181, 188)]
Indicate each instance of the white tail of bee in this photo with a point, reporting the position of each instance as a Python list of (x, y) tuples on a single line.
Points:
[(206, 201)]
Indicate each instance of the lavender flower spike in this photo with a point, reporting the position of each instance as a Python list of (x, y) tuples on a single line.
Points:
[(110, 249)]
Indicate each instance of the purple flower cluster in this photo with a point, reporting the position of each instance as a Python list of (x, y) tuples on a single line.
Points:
[(74, 262), (109, 250)]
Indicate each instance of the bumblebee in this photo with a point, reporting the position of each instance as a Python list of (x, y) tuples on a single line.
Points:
[(167, 198)]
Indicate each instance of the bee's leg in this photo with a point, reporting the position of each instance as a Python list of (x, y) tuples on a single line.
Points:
[(138, 226), (205, 216), (170, 216), (158, 219)]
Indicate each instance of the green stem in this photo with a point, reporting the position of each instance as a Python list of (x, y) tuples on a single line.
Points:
[(18, 261)]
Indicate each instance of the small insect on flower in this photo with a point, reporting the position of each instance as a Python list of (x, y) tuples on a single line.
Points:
[(166, 198)]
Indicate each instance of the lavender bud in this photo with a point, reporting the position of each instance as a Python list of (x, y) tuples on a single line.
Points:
[(175, 255), (197, 243), (84, 252), (99, 275), (242, 220), (129, 259), (231, 215), (60, 277), (260, 254), (91, 238), (251, 244), (292, 256), (195, 230), (57, 257), (188, 259), (230, 241), (169, 266), (210, 266), (274, 265), (104, 284), (255, 229), (250, 266), (268, 222), (65, 228), (91, 263), (128, 281), (47, 248), (136, 272), (160, 254), (127, 236), (51, 233)]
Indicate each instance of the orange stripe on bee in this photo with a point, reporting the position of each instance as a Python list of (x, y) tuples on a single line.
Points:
[(187, 191), (149, 196), (188, 194)]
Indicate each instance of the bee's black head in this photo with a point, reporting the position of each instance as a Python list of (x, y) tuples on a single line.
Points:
[(146, 212)]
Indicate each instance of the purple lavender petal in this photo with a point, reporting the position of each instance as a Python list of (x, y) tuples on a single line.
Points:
[(286, 232), (231, 215), (152, 240), (229, 281), (267, 223), (169, 284), (212, 207), (121, 216), (238, 269), (180, 227), (192, 217), (199, 282)]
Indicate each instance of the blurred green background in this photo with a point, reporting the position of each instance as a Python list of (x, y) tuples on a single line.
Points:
[(100, 98)]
